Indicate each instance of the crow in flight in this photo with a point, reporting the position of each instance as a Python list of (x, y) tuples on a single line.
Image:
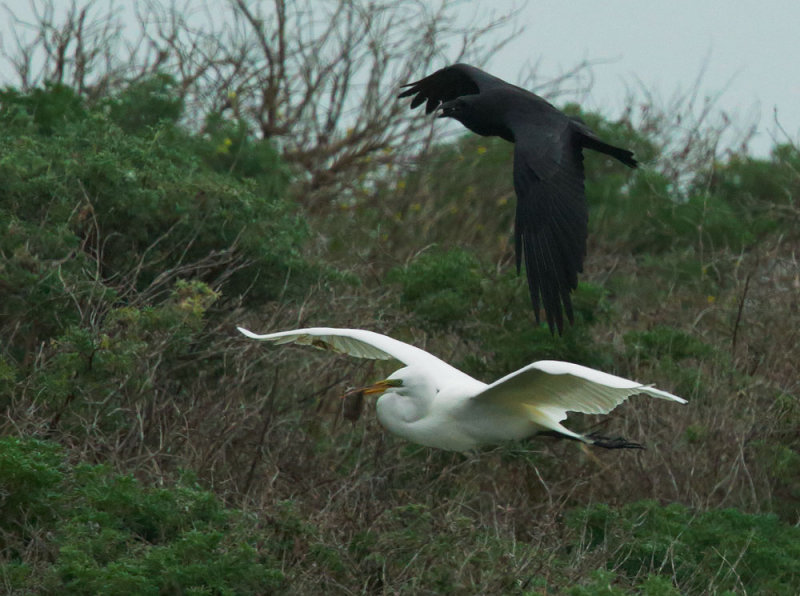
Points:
[(551, 221)]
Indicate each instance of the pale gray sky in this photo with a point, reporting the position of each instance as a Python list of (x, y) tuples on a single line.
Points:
[(747, 51)]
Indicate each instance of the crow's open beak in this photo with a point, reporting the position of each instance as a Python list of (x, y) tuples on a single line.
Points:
[(443, 112)]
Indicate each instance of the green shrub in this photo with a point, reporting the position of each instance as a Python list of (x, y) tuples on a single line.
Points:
[(664, 342), (119, 237), (93, 212), (43, 110), (760, 189), (30, 472), (646, 217), (440, 287), (110, 534), (708, 551), (144, 104)]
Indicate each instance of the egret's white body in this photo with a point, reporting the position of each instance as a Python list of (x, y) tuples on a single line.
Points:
[(431, 403)]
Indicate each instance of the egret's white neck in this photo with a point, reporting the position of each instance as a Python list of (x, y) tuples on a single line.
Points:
[(398, 412)]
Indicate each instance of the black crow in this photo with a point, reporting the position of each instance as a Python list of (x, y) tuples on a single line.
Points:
[(551, 221)]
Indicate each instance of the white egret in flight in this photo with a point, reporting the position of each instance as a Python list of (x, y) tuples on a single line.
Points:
[(432, 403)]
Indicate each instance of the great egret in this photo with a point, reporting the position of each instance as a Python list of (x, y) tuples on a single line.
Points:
[(551, 219), (432, 403)]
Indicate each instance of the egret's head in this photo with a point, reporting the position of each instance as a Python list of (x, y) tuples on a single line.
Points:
[(413, 382), (406, 382)]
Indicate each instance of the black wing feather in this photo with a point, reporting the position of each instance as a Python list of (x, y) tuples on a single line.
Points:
[(552, 219), (448, 83)]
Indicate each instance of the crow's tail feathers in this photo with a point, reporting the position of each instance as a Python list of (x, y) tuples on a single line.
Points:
[(622, 155), (589, 140)]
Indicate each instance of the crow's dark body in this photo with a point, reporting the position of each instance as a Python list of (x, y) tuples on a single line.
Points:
[(551, 218)]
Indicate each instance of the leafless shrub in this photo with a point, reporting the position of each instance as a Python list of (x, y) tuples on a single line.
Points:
[(690, 130)]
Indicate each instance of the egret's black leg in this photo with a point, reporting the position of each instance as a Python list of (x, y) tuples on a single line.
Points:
[(555, 434), (616, 443)]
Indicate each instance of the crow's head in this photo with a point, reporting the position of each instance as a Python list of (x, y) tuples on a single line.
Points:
[(477, 114), (459, 108)]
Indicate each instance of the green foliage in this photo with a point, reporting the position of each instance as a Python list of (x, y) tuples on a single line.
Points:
[(122, 235), (782, 458), (440, 287), (41, 111), (198, 561), (761, 189), (645, 216), (642, 211), (30, 471), (664, 342), (144, 104), (112, 535), (675, 355), (156, 516), (106, 370), (477, 175), (457, 195), (229, 147), (7, 377), (618, 133), (92, 211), (711, 551), (602, 583)]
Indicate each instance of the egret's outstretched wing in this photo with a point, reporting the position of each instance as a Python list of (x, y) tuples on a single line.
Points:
[(555, 388), (359, 343)]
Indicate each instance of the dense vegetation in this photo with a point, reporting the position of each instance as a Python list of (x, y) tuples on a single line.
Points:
[(148, 448)]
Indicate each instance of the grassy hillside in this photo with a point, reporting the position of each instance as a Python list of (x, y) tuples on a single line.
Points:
[(148, 448)]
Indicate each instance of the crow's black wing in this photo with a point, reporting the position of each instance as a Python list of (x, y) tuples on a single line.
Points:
[(551, 221), (448, 83)]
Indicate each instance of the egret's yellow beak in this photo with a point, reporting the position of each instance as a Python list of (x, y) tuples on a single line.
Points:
[(378, 387), (382, 386)]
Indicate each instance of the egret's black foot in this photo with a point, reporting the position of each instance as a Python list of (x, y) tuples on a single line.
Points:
[(608, 443)]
